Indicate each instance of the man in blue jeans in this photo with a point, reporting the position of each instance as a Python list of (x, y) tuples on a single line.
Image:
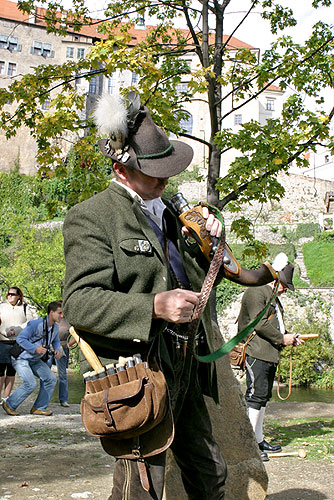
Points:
[(62, 363), (36, 339)]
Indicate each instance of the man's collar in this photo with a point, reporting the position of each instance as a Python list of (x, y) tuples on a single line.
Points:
[(153, 208), (132, 193)]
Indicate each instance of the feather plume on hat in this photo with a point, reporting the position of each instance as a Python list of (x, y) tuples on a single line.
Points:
[(113, 117), (280, 262)]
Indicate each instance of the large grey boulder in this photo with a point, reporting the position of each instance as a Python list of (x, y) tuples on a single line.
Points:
[(247, 477)]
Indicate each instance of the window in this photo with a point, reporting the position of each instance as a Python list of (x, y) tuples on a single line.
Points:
[(10, 43), (3, 41), (93, 85), (270, 106), (2, 67), (134, 78), (46, 104), (42, 49), (140, 20), (237, 119), (187, 124), (69, 52), (112, 84), (80, 53), (188, 63), (37, 48), (11, 69), (46, 50), (181, 88)]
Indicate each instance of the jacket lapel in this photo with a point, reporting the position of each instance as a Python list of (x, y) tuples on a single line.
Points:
[(147, 230)]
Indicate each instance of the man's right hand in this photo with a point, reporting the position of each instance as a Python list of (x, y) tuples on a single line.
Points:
[(40, 349), (292, 339), (175, 306)]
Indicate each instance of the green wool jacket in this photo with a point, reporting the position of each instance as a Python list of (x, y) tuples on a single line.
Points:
[(114, 267), (267, 343)]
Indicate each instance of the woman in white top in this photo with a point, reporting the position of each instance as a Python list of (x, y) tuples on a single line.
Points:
[(14, 315)]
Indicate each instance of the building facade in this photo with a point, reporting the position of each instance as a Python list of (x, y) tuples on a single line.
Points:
[(25, 44)]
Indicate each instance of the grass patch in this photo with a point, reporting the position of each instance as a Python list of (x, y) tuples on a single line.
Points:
[(318, 259), (315, 436)]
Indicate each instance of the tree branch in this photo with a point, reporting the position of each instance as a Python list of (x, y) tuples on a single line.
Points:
[(243, 19), (234, 194), (250, 80)]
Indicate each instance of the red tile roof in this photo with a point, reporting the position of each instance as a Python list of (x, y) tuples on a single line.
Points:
[(9, 10)]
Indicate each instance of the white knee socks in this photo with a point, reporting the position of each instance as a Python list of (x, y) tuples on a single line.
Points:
[(256, 419)]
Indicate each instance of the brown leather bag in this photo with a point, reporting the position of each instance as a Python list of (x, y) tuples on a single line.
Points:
[(238, 353), (124, 408)]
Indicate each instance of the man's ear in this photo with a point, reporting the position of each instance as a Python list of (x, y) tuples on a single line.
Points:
[(120, 171)]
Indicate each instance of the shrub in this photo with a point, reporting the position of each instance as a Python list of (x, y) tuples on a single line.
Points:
[(303, 230), (310, 361), (226, 293)]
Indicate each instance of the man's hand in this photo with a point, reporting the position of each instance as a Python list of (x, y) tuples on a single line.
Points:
[(57, 355), (292, 339), (40, 349), (175, 306), (213, 225)]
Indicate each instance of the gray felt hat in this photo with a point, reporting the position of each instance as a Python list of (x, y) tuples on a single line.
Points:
[(134, 140)]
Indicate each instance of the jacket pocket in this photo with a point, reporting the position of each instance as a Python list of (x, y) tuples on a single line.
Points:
[(135, 246)]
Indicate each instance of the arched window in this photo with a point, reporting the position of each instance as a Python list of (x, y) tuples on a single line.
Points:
[(187, 124)]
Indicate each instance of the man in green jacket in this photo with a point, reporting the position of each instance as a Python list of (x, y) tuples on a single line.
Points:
[(130, 274), (263, 350)]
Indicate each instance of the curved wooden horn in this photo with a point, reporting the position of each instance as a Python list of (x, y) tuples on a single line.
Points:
[(248, 277)]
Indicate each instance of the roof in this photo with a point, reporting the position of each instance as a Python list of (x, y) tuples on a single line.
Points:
[(9, 10)]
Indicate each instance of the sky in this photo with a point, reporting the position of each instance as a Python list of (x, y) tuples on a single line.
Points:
[(255, 30)]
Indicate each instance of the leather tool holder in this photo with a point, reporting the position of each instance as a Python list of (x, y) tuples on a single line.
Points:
[(130, 412), (194, 221)]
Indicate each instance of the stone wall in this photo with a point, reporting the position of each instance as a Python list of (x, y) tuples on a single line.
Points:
[(298, 306), (302, 203)]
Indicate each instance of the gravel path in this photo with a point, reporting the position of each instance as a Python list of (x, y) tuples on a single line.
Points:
[(65, 463)]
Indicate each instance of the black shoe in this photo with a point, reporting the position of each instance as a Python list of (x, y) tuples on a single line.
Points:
[(264, 456), (272, 448)]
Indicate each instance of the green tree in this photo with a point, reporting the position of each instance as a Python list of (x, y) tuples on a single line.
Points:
[(36, 265), (223, 76)]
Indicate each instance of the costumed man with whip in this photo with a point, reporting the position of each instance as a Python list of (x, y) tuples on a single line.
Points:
[(264, 347), (133, 281)]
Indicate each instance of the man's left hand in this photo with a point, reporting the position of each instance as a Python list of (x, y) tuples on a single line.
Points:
[(213, 225), (57, 354)]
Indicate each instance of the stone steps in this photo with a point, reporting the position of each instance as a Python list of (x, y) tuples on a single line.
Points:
[(299, 261)]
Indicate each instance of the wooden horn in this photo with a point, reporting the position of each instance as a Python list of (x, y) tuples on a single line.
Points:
[(300, 453), (87, 351)]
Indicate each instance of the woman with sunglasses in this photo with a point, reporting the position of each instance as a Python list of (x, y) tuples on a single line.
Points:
[(14, 315)]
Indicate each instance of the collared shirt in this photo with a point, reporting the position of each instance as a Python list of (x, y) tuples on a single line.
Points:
[(280, 319), (153, 208), (33, 336)]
